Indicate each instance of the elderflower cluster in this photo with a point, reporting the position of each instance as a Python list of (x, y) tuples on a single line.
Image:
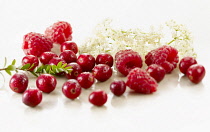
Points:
[(107, 39)]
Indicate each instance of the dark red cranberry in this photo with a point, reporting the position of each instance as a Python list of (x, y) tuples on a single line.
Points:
[(46, 83), (56, 60), (86, 79), (71, 89), (69, 45), (98, 98), (69, 56), (102, 72), (118, 87), (18, 82), (32, 60), (156, 71), (32, 97), (104, 58), (46, 57), (196, 73), (185, 63), (76, 70), (86, 61)]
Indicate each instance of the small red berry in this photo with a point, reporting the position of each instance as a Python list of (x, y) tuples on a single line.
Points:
[(86, 79), (118, 87), (98, 98), (56, 60), (71, 89), (156, 71), (185, 63), (69, 45), (104, 58), (46, 57), (32, 60), (69, 56), (46, 83), (32, 97), (196, 73), (86, 61), (76, 70), (18, 82), (102, 72)]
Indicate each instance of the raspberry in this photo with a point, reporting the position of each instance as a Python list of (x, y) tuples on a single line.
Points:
[(141, 82), (126, 60), (165, 56), (59, 32), (36, 43)]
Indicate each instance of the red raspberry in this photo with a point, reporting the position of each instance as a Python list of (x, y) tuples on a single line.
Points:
[(141, 82), (126, 60), (59, 32), (165, 56), (36, 43)]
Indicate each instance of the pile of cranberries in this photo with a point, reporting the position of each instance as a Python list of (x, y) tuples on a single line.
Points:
[(86, 70)]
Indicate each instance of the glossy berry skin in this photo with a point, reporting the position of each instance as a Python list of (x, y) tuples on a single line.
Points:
[(32, 60), (18, 82), (69, 45), (32, 97), (118, 87), (56, 60), (76, 70), (98, 98), (185, 63), (86, 79), (69, 56), (46, 57), (46, 83), (104, 58), (156, 71), (196, 73), (102, 72), (86, 61), (71, 89)]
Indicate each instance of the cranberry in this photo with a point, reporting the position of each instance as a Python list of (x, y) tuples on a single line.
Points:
[(76, 70), (46, 83), (185, 63), (196, 73), (56, 60), (32, 60), (86, 61), (118, 87), (69, 56), (69, 45), (85, 79), (71, 89), (46, 57), (98, 98), (102, 72), (18, 82), (32, 97), (104, 58), (156, 71)]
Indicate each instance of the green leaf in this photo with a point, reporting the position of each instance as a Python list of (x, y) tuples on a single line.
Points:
[(53, 67), (14, 62), (26, 66), (64, 65), (5, 61), (60, 70), (11, 68), (69, 67), (59, 64), (31, 66), (9, 72), (39, 69), (48, 68)]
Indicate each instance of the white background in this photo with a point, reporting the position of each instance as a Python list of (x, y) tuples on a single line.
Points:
[(177, 106)]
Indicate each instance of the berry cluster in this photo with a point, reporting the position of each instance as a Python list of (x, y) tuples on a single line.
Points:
[(86, 69)]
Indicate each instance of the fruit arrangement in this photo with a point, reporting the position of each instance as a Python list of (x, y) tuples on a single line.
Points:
[(83, 70)]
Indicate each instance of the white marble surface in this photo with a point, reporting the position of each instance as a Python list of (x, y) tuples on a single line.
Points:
[(177, 106)]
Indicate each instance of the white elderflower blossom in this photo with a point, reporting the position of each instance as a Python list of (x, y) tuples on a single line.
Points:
[(107, 39)]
